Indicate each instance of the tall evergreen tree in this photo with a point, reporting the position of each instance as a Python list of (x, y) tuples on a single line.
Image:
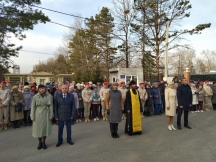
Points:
[(16, 17)]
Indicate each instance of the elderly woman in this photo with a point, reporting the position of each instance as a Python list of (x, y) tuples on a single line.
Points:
[(81, 108), (76, 99), (157, 99), (149, 102), (27, 96), (15, 100), (114, 107), (201, 96), (170, 104), (95, 103), (194, 98), (41, 115)]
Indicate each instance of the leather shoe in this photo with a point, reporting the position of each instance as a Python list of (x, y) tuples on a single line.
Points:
[(187, 126), (70, 142), (179, 127), (58, 144)]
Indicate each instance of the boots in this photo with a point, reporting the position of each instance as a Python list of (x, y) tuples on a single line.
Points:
[(141, 115), (17, 124), (169, 127), (173, 128), (106, 117), (39, 146), (86, 120), (14, 124), (1, 127), (5, 127)]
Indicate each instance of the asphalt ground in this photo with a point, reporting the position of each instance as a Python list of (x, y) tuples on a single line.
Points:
[(93, 143)]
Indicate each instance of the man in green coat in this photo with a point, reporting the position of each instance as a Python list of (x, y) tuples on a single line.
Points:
[(41, 115)]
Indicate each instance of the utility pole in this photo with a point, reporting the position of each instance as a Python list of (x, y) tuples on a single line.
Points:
[(166, 51)]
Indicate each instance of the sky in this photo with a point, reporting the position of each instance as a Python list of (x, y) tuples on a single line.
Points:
[(46, 38)]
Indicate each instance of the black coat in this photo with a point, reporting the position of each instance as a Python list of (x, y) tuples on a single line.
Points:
[(64, 108), (149, 101), (184, 96)]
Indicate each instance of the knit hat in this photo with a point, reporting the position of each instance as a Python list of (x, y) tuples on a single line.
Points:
[(3, 82), (105, 83), (50, 85)]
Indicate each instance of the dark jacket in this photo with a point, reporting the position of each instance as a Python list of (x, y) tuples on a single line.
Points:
[(184, 96), (64, 108), (149, 101), (156, 96)]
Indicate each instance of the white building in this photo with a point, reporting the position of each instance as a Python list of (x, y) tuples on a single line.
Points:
[(125, 74)]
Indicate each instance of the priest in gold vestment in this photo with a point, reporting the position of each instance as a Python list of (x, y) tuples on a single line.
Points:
[(132, 108)]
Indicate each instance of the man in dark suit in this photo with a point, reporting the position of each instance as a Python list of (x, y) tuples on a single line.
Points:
[(184, 96), (65, 109)]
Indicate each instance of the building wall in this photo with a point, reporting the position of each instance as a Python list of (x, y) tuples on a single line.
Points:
[(122, 74)]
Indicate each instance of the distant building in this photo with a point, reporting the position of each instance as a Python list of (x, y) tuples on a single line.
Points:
[(125, 74), (16, 69), (38, 77), (213, 71)]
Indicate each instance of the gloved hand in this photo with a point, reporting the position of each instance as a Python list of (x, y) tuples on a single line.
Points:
[(108, 112)]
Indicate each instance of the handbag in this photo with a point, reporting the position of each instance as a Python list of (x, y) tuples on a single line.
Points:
[(18, 107)]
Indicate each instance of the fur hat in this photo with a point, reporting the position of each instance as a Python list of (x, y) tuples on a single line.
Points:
[(26, 87), (14, 87), (132, 82), (115, 84)]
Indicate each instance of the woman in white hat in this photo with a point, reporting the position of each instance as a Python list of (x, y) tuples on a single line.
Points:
[(171, 104), (27, 96)]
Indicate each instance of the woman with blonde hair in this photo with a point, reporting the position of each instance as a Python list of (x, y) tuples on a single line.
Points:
[(171, 104)]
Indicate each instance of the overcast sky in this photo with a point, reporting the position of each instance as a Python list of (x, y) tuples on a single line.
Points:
[(46, 38)]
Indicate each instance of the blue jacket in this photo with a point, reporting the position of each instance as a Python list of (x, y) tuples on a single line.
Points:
[(64, 108), (184, 96), (156, 96)]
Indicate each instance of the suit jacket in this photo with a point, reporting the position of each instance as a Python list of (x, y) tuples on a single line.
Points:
[(64, 108), (184, 96)]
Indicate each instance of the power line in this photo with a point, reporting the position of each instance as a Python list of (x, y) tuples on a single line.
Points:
[(38, 52), (60, 12), (63, 25), (85, 18)]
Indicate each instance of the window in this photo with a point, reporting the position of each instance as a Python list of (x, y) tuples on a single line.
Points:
[(132, 77), (113, 79)]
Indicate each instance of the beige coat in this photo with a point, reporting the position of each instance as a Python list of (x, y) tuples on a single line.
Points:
[(41, 111), (103, 92), (170, 101), (207, 90), (5, 96), (15, 97), (123, 92), (87, 95), (143, 94)]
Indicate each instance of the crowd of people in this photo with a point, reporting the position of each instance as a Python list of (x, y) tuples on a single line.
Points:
[(69, 103)]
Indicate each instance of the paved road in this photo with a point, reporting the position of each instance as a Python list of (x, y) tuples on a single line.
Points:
[(93, 143)]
